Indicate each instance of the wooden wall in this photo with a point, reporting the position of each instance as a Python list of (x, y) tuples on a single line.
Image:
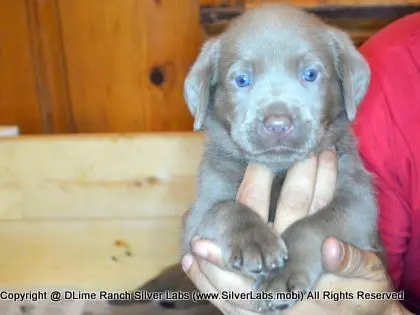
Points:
[(82, 66), (18, 96), (96, 65)]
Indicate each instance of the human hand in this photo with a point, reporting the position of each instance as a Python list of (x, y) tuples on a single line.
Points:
[(308, 187), (351, 270)]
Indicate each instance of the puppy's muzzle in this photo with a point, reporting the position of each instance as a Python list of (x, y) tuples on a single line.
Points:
[(277, 125)]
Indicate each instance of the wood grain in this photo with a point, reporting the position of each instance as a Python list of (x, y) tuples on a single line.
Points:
[(111, 65), (18, 95), (50, 66), (111, 49), (69, 203), (71, 177), (83, 254)]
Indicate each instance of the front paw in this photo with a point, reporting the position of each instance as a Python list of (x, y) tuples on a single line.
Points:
[(250, 246), (256, 253)]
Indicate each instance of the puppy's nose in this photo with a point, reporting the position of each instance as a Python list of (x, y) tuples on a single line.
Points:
[(280, 123)]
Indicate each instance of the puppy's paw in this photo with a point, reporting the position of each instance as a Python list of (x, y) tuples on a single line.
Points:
[(251, 246), (256, 252), (248, 244), (291, 285)]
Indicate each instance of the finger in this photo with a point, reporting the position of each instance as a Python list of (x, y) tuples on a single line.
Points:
[(255, 189), (191, 268), (347, 260), (228, 281), (203, 284), (210, 261), (326, 178), (208, 250), (296, 194)]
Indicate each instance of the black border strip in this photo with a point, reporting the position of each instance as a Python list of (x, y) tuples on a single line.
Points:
[(211, 15)]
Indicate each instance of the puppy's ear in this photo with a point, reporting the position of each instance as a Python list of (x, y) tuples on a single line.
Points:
[(353, 71), (201, 77)]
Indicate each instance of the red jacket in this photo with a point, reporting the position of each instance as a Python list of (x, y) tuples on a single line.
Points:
[(388, 129)]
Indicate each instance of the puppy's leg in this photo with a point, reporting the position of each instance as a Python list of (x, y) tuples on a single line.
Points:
[(349, 217), (248, 244)]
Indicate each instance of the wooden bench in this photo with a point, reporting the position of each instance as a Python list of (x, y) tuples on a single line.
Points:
[(93, 211)]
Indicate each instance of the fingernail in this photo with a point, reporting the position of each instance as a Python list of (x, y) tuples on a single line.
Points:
[(187, 262), (200, 249)]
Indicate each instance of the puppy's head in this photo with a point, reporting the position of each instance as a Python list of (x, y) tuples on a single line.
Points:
[(275, 82)]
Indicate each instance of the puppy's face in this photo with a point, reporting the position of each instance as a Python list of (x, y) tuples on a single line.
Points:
[(276, 80), (276, 86)]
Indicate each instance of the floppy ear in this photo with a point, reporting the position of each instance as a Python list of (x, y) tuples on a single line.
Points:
[(201, 77), (353, 71)]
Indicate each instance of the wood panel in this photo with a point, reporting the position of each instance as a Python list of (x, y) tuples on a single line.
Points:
[(112, 65), (50, 65), (96, 66), (127, 61), (18, 94), (93, 211), (86, 254), (70, 177)]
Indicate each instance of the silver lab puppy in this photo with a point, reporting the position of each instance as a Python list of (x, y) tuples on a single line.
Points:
[(278, 86)]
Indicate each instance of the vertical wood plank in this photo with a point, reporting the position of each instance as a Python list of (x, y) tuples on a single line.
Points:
[(115, 49), (50, 67), (18, 96)]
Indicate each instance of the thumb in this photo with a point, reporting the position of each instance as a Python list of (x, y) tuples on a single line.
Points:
[(207, 250), (346, 260)]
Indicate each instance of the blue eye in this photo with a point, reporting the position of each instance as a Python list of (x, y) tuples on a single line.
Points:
[(310, 74), (243, 80)]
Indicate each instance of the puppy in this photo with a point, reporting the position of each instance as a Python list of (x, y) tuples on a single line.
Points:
[(276, 87)]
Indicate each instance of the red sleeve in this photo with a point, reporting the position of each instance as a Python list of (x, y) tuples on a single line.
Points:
[(388, 131), (375, 132)]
